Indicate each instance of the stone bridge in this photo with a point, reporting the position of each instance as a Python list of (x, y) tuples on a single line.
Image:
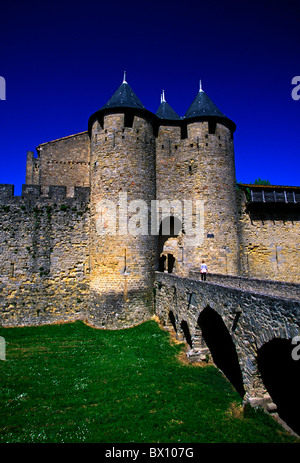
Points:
[(247, 327)]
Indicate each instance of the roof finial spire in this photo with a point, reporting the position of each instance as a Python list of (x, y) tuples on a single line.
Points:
[(200, 87), (162, 97), (124, 78)]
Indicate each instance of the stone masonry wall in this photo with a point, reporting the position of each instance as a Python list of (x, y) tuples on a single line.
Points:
[(269, 244), (199, 165), (65, 162), (44, 256), (122, 265), (251, 319)]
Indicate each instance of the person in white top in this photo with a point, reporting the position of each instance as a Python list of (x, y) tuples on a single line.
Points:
[(203, 271)]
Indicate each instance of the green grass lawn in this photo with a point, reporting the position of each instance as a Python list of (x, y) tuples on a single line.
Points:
[(74, 383)]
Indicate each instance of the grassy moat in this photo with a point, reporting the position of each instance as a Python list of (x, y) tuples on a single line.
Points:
[(73, 383)]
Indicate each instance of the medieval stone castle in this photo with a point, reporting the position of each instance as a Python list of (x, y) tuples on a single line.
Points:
[(57, 265)]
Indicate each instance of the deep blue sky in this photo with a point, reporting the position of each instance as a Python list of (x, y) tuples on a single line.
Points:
[(63, 60)]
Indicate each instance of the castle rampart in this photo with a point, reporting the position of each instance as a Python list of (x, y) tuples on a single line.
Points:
[(44, 243)]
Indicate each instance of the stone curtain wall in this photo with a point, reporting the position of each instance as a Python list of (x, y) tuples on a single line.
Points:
[(44, 256), (270, 243), (251, 319)]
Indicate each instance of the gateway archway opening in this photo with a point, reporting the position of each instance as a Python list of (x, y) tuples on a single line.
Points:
[(170, 227)]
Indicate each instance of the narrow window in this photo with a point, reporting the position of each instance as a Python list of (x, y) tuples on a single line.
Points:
[(125, 261), (192, 167), (128, 120), (183, 132), (212, 127)]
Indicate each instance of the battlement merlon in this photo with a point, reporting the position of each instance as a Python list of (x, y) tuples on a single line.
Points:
[(6, 191), (37, 192)]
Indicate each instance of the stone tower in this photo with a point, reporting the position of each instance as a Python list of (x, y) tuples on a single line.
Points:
[(195, 161), (122, 251)]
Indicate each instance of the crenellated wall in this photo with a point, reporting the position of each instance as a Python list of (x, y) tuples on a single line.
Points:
[(44, 246)]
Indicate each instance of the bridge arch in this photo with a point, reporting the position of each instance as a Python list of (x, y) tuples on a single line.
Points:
[(236, 326), (222, 348), (280, 374)]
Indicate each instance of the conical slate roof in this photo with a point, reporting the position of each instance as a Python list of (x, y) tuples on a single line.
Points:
[(124, 97), (165, 111), (202, 106)]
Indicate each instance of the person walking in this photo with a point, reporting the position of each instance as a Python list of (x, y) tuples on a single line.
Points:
[(203, 271)]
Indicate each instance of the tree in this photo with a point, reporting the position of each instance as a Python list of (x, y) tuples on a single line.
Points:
[(259, 181)]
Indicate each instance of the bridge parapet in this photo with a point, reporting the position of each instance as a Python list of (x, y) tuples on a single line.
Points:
[(268, 287)]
